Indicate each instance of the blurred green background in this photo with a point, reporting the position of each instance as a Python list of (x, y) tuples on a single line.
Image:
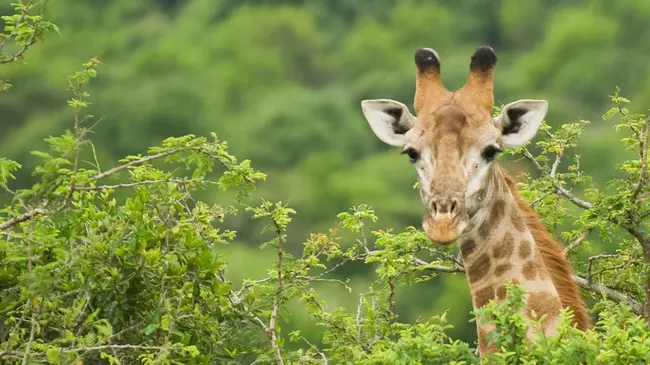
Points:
[(281, 81)]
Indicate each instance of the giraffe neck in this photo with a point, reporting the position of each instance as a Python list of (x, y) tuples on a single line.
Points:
[(498, 248)]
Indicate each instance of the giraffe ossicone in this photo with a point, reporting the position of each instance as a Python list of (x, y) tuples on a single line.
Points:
[(452, 143)]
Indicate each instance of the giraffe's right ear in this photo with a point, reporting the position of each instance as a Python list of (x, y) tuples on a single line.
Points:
[(389, 120)]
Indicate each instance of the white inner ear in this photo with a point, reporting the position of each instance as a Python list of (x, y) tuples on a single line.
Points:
[(384, 124), (529, 118)]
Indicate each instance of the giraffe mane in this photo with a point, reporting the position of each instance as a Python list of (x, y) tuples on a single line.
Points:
[(552, 254)]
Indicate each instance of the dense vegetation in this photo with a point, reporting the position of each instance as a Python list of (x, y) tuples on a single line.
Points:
[(156, 258)]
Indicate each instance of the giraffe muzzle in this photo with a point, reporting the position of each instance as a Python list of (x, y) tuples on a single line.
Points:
[(445, 220)]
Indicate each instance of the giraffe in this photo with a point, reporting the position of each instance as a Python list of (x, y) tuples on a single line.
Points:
[(468, 198)]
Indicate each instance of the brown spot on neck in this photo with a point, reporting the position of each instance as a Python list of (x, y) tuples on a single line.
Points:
[(530, 270), (467, 247), (496, 215), (483, 296), (543, 304), (479, 268), (502, 269), (525, 249), (501, 292), (505, 248)]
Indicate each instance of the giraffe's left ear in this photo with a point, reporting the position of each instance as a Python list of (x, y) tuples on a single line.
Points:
[(389, 119), (520, 120)]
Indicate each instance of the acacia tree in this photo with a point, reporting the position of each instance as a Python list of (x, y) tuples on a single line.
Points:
[(122, 264)]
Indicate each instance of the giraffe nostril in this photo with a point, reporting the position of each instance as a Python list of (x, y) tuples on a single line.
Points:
[(454, 206), (434, 209)]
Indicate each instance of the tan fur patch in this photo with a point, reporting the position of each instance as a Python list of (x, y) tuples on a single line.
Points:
[(484, 347), (502, 269), (505, 248), (479, 268), (524, 249), (467, 247), (530, 270), (483, 296), (495, 217), (543, 303)]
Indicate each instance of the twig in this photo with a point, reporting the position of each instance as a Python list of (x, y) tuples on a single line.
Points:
[(133, 163), (427, 265), (535, 201), (578, 241), (364, 241), (626, 263), (559, 188), (115, 347), (594, 258), (20, 53), (440, 268), (556, 163), (138, 183), (644, 161), (32, 333), (358, 319), (272, 328), (322, 355), (391, 297), (77, 149)]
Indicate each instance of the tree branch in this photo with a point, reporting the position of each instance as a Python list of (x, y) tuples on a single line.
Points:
[(272, 328), (22, 51), (594, 258), (133, 163), (578, 241), (138, 183), (32, 332), (644, 161), (610, 293), (22, 218)]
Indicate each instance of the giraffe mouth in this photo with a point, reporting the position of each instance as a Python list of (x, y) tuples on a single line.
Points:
[(443, 230)]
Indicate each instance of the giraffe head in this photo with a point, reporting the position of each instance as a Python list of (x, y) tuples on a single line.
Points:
[(454, 139)]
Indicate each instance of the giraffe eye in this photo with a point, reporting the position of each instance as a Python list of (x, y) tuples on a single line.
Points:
[(412, 153), (490, 152)]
